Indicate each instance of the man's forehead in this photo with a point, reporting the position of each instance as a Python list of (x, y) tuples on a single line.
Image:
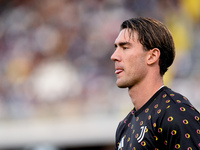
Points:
[(126, 35)]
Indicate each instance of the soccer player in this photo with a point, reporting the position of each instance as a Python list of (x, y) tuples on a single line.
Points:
[(161, 118)]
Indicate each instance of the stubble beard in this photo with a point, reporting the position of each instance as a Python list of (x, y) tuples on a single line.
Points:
[(125, 83), (130, 82)]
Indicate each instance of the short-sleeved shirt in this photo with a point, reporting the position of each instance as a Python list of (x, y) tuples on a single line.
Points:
[(168, 121)]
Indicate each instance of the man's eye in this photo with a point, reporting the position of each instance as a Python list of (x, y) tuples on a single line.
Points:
[(125, 47)]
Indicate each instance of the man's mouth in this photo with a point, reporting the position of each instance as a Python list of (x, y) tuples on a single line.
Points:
[(118, 71)]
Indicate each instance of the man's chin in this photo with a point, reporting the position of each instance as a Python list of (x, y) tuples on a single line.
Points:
[(120, 85)]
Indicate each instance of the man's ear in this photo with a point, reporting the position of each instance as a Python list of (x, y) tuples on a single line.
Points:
[(153, 56)]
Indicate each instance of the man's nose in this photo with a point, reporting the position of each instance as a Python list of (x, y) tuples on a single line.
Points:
[(115, 56)]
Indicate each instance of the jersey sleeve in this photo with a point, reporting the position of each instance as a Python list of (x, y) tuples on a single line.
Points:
[(179, 128), (120, 129)]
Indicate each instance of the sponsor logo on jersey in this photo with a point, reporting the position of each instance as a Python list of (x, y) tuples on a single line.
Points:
[(121, 144)]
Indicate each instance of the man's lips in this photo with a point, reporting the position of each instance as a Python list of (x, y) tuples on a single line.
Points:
[(118, 71)]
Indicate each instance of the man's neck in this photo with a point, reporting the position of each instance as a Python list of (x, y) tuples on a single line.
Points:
[(142, 92)]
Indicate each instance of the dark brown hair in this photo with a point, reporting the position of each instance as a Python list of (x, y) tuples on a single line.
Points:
[(153, 34)]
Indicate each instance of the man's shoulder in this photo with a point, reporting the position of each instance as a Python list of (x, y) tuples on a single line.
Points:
[(126, 119), (175, 97), (172, 104), (175, 107)]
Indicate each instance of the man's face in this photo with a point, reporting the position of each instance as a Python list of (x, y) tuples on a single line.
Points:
[(130, 59)]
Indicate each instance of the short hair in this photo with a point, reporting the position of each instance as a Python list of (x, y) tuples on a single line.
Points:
[(153, 34)]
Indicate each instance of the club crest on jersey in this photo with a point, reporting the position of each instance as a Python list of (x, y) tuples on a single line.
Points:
[(142, 133)]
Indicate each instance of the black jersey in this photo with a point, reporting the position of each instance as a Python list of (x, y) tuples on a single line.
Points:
[(167, 121)]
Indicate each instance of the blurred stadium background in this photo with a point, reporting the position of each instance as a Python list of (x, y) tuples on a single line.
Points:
[(57, 82)]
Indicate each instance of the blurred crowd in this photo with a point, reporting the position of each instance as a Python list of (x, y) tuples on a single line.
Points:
[(55, 55)]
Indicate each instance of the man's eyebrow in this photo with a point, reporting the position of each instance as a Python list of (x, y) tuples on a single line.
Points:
[(122, 44)]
